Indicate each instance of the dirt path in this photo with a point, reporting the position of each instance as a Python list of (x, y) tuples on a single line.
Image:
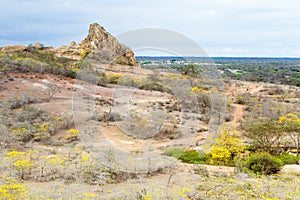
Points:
[(238, 114), (116, 136)]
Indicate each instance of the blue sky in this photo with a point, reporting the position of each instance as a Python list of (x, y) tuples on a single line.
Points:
[(220, 27)]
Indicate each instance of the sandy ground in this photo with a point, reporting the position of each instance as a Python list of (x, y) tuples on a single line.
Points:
[(77, 98)]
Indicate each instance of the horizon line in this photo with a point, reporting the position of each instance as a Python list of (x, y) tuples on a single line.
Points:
[(161, 56)]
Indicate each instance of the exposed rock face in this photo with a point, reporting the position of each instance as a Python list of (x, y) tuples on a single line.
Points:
[(38, 45), (12, 48), (72, 52), (99, 42), (99, 45), (99, 38)]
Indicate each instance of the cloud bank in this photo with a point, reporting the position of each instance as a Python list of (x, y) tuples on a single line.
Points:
[(221, 27)]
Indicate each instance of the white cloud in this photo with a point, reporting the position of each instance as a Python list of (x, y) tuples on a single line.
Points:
[(230, 25)]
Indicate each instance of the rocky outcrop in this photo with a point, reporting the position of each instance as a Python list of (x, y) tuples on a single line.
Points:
[(98, 45), (102, 44), (72, 52), (13, 48)]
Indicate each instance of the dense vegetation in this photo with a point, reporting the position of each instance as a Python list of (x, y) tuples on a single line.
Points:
[(279, 71), (273, 70)]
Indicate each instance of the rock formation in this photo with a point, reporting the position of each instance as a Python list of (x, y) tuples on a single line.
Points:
[(12, 48), (98, 45), (99, 42), (101, 46)]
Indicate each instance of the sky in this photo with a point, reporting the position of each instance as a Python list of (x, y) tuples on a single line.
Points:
[(255, 28)]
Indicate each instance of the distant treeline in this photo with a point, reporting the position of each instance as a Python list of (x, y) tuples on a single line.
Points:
[(273, 70)]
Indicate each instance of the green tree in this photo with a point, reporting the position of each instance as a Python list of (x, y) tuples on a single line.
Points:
[(264, 135), (291, 126), (190, 69)]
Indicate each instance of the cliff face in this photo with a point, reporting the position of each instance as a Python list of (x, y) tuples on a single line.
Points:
[(98, 45)]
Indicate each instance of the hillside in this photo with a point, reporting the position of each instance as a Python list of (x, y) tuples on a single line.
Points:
[(87, 122)]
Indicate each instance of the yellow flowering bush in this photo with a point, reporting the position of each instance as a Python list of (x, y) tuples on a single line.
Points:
[(83, 54), (12, 190), (219, 155), (21, 161), (228, 145), (21, 133), (72, 134), (113, 78), (290, 117), (197, 89)]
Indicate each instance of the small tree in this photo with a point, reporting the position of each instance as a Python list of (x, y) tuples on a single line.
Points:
[(189, 69), (291, 126), (264, 135)]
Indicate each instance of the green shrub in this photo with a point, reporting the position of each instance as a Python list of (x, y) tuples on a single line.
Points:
[(70, 73), (154, 86), (193, 156), (240, 165), (288, 159), (263, 163), (174, 152)]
